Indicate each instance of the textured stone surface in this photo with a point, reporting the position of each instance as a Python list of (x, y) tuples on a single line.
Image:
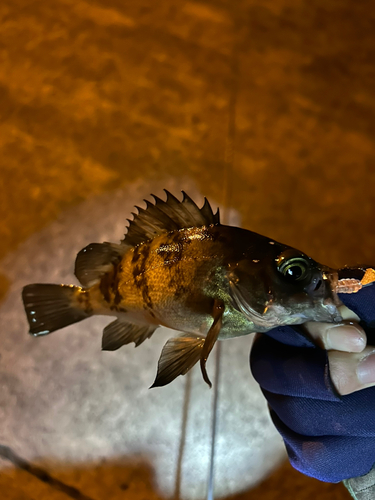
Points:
[(97, 95)]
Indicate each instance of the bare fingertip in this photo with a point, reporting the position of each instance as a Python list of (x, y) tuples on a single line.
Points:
[(366, 370), (347, 338)]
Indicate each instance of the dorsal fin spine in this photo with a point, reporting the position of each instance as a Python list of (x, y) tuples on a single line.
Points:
[(165, 216), (217, 216)]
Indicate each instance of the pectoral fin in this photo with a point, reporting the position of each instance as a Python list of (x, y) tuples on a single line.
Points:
[(177, 357), (211, 338), (119, 333)]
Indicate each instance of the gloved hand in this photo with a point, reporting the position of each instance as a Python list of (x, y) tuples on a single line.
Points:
[(328, 435)]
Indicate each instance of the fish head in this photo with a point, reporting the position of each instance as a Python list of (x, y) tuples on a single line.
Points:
[(283, 286)]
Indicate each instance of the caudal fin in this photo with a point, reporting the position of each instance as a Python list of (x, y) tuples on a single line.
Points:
[(51, 307)]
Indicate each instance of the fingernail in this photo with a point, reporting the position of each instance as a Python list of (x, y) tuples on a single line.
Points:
[(366, 369), (346, 338)]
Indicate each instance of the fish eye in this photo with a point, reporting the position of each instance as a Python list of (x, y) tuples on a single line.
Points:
[(295, 269)]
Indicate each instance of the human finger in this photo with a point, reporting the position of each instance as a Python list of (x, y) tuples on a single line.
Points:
[(348, 314), (352, 372), (347, 336)]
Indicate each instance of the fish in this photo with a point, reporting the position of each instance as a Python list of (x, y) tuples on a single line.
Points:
[(179, 267)]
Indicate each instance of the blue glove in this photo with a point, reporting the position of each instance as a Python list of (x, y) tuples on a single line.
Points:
[(327, 436)]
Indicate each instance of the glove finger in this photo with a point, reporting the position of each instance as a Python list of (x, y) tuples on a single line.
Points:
[(290, 370)]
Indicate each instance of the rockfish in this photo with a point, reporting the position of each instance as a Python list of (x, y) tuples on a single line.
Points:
[(178, 267)]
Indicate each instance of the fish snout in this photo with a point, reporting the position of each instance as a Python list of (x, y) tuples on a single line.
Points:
[(320, 291), (318, 286)]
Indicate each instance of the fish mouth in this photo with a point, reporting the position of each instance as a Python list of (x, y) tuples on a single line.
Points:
[(331, 301), (330, 278), (321, 283), (322, 290)]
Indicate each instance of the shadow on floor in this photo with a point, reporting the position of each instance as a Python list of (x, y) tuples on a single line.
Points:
[(134, 478)]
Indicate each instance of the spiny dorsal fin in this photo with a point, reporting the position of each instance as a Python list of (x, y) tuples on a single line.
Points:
[(93, 261), (165, 216)]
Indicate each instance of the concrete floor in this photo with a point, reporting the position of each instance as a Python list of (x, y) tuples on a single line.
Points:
[(265, 106)]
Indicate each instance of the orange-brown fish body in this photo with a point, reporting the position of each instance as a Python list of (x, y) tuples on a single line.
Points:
[(164, 280), (174, 279), (180, 268), (171, 280)]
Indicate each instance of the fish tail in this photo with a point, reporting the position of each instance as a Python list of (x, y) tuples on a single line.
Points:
[(51, 307)]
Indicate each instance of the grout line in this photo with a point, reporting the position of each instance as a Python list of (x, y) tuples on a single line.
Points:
[(72, 492), (185, 414), (210, 488)]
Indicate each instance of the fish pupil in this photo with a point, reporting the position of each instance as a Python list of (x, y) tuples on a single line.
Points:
[(295, 272)]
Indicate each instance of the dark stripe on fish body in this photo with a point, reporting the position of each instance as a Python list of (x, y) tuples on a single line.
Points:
[(84, 301), (118, 298), (115, 281), (136, 254), (109, 284), (140, 257), (168, 252), (105, 286), (115, 284), (145, 292)]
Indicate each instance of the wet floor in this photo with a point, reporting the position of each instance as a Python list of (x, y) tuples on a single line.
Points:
[(267, 107)]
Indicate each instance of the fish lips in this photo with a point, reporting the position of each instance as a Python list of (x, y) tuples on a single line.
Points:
[(321, 286), (320, 291), (318, 287)]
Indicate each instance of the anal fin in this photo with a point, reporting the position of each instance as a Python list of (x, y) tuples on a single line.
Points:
[(119, 333), (177, 357)]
